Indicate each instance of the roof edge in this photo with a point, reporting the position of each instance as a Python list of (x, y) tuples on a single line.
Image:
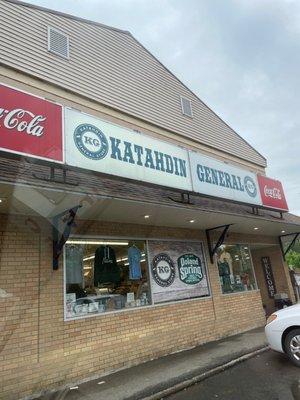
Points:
[(66, 15)]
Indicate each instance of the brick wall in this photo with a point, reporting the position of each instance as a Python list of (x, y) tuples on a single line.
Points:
[(41, 351)]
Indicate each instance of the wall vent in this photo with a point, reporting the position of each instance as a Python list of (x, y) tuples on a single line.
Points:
[(186, 106), (58, 42)]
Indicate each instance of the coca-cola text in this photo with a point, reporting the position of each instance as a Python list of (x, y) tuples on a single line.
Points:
[(274, 193), (22, 121)]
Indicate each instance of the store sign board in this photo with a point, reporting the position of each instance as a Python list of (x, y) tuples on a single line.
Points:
[(101, 146), (269, 278), (30, 125), (178, 270), (215, 178), (272, 194)]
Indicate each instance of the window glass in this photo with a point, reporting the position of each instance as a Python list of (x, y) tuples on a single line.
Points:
[(178, 270), (235, 268), (104, 275)]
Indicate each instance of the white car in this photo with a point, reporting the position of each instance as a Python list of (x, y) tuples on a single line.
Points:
[(283, 332)]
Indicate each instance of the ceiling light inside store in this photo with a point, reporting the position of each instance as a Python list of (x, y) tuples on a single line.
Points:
[(146, 216), (88, 258), (118, 260), (282, 231), (126, 258), (1, 201), (255, 228), (97, 242), (192, 221)]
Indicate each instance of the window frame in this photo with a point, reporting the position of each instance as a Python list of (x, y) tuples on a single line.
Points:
[(135, 309), (253, 270)]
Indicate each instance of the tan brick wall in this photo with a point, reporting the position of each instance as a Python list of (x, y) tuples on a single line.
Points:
[(280, 273), (41, 351)]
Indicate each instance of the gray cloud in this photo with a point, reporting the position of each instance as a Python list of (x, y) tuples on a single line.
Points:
[(241, 57)]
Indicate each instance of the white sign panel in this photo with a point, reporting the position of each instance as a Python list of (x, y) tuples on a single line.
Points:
[(178, 270), (104, 147), (219, 179)]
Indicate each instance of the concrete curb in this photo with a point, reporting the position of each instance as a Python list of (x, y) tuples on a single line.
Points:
[(207, 374)]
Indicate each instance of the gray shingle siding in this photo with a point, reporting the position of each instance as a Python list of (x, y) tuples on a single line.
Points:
[(111, 67)]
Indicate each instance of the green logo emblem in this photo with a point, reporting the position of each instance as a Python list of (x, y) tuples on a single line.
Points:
[(190, 269)]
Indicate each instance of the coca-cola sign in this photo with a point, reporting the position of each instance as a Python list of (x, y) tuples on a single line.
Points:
[(272, 194), (30, 125)]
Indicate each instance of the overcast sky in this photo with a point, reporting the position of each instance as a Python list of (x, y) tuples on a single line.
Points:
[(241, 57)]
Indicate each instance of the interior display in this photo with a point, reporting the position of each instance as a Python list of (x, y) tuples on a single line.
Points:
[(108, 275), (178, 270), (134, 260), (114, 276), (235, 268), (106, 269), (74, 264)]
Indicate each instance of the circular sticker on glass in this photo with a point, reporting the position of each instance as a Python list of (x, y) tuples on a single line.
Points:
[(190, 269), (90, 141), (163, 270), (250, 186)]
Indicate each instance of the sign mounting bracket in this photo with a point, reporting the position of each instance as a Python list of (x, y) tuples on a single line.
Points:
[(55, 176), (184, 198)]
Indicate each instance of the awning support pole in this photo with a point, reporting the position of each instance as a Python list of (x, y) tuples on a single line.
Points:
[(59, 241), (290, 246), (220, 241)]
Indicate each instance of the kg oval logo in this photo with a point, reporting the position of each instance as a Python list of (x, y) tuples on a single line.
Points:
[(91, 141), (163, 270), (250, 186)]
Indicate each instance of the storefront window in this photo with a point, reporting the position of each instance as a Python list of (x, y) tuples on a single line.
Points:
[(104, 275), (235, 268), (178, 270)]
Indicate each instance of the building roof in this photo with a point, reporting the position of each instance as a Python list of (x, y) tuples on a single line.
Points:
[(111, 67)]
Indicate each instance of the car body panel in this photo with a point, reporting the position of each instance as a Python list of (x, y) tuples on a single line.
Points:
[(286, 318)]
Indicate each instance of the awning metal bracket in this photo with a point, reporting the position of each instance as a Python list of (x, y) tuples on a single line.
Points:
[(59, 240), (212, 249), (294, 236)]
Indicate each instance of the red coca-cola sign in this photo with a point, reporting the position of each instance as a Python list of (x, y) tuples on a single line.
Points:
[(272, 194), (30, 125)]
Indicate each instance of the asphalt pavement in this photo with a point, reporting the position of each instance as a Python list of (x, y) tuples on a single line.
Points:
[(268, 376)]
